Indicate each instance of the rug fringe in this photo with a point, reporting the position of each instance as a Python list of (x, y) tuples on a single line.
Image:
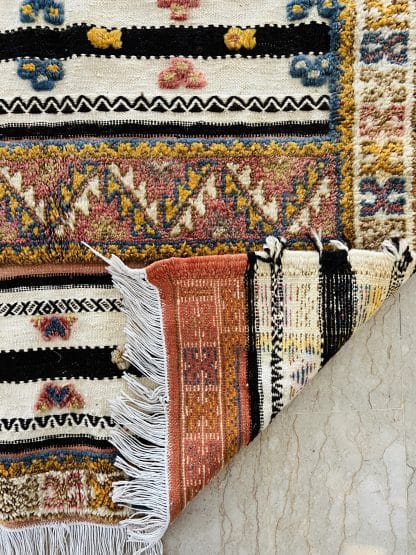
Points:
[(67, 539), (141, 414)]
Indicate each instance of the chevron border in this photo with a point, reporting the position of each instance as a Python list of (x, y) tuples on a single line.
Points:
[(69, 105)]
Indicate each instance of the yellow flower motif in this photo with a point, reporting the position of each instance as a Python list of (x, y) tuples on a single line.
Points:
[(53, 67), (29, 67), (100, 37), (27, 9), (54, 12), (237, 38), (297, 9)]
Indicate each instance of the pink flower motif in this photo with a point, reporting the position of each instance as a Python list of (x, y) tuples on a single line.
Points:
[(54, 326), (168, 79), (54, 396), (179, 9), (195, 80), (182, 67), (181, 72)]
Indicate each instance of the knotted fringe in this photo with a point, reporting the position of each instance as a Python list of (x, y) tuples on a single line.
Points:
[(141, 415), (65, 539)]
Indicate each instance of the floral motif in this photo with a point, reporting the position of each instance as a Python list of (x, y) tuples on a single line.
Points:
[(313, 72), (55, 396), (117, 358), (181, 72), (42, 73), (100, 37), (53, 11), (236, 38), (179, 9), (298, 9), (54, 326)]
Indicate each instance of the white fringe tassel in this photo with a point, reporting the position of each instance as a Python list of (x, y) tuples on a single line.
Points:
[(66, 539), (395, 247), (141, 415)]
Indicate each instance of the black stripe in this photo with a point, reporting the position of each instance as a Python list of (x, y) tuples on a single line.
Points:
[(47, 364), (252, 368), (338, 302), (271, 40), (53, 443), (55, 280), (141, 129)]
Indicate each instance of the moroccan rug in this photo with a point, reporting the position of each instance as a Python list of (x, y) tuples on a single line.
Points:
[(196, 146)]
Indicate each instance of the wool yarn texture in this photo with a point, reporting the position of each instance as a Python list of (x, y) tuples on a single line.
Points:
[(246, 174)]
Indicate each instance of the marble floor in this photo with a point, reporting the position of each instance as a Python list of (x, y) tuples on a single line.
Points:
[(335, 472)]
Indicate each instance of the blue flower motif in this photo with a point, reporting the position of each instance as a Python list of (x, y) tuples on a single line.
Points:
[(313, 72), (299, 9), (327, 8), (41, 73), (53, 11)]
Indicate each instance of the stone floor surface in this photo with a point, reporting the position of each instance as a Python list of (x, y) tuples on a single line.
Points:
[(335, 472)]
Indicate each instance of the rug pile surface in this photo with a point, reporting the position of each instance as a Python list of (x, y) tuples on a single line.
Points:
[(194, 147)]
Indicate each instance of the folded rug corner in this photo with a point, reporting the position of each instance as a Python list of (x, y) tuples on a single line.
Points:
[(219, 345)]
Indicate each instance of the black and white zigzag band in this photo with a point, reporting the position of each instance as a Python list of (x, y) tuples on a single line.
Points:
[(178, 104), (59, 306), (55, 421)]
